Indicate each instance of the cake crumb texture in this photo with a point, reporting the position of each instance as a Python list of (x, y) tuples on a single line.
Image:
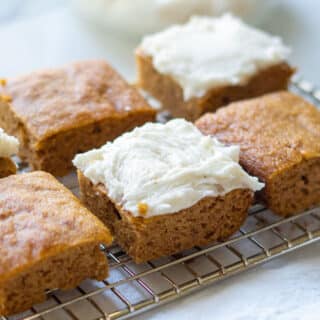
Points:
[(48, 240), (59, 112), (170, 94), (211, 219), (279, 136)]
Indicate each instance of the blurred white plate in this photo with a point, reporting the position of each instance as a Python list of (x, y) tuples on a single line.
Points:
[(139, 17)]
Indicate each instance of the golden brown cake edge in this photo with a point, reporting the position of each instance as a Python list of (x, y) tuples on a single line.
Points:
[(170, 94), (106, 107), (150, 238), (279, 138), (58, 242)]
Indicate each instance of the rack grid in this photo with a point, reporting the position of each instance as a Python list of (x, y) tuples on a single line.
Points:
[(132, 289)]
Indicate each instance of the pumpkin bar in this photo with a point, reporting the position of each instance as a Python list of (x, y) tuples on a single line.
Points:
[(8, 147), (58, 113), (160, 196), (279, 136), (209, 62), (48, 240)]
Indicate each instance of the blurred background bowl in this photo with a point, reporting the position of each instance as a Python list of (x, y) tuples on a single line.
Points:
[(140, 17)]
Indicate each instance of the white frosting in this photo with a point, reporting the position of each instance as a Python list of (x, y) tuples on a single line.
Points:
[(8, 145), (211, 52), (168, 167)]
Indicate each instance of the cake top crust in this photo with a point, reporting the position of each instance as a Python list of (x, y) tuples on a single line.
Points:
[(164, 168), (55, 100), (208, 53), (40, 218), (275, 131), (9, 145)]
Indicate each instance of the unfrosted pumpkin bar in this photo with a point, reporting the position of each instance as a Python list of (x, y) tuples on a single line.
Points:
[(209, 62), (163, 188), (48, 240), (279, 136), (8, 147), (58, 113)]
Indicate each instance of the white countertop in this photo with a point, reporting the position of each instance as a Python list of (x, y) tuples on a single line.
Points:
[(286, 288)]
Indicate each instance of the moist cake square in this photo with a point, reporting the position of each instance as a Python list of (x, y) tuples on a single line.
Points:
[(58, 113), (209, 62), (279, 136), (8, 147), (48, 240), (163, 188)]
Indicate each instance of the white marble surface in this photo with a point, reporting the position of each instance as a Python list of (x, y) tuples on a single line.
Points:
[(286, 288)]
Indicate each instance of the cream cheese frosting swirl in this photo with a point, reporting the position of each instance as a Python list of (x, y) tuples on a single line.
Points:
[(167, 167), (206, 53)]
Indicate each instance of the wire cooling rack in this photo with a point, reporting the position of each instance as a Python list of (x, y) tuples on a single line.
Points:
[(131, 289)]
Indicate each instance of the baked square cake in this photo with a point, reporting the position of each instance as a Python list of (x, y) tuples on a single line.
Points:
[(60, 112), (8, 147), (279, 135), (48, 240), (209, 62), (163, 188)]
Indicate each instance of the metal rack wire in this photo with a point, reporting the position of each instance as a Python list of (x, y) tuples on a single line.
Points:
[(131, 289)]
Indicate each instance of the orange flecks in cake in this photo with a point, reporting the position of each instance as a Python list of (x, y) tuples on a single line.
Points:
[(5, 98), (3, 82), (142, 208)]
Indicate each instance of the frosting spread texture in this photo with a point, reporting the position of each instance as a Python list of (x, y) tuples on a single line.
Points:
[(208, 52)]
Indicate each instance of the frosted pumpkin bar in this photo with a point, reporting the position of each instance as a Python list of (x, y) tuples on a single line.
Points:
[(163, 188), (279, 136), (58, 113), (209, 62), (48, 240), (8, 147)]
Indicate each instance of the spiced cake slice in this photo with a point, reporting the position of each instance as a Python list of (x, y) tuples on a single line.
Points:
[(9, 146), (163, 188), (48, 240), (279, 136), (58, 113), (209, 62)]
